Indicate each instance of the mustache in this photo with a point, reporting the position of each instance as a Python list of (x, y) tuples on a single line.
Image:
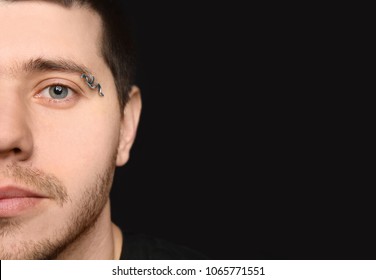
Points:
[(39, 181)]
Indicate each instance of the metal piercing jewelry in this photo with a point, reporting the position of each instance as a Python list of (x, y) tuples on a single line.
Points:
[(90, 82)]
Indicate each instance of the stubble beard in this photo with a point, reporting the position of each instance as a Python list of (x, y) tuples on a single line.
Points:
[(83, 219)]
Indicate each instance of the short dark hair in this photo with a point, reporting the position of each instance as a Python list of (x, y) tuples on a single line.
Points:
[(117, 44)]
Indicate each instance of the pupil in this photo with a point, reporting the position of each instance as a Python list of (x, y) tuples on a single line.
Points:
[(58, 90)]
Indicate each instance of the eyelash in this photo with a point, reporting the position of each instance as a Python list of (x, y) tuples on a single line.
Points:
[(72, 94)]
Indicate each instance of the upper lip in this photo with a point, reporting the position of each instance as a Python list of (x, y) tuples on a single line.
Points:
[(17, 192)]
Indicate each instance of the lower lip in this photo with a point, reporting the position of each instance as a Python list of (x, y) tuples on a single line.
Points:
[(14, 206)]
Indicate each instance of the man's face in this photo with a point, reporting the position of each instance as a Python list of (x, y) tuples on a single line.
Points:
[(58, 138)]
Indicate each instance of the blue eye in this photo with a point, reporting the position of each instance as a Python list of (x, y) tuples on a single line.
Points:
[(58, 92)]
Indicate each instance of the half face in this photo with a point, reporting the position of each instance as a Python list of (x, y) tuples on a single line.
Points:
[(58, 138)]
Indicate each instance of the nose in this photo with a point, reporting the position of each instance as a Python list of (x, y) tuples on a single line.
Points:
[(16, 141)]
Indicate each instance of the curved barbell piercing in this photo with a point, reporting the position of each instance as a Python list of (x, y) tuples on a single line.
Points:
[(90, 82)]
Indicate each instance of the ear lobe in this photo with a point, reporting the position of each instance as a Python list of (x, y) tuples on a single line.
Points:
[(129, 124)]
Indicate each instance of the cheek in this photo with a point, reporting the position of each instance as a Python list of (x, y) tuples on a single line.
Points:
[(76, 147)]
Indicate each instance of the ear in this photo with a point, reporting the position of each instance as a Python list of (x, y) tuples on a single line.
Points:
[(129, 124)]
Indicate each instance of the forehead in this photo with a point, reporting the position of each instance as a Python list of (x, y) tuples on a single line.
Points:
[(33, 29)]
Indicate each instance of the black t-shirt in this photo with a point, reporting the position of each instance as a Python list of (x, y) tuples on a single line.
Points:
[(143, 247)]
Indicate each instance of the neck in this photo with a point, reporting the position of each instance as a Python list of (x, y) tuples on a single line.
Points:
[(103, 241)]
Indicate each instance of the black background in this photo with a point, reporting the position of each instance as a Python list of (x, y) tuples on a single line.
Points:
[(242, 150)]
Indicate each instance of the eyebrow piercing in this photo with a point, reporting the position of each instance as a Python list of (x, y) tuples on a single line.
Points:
[(90, 82)]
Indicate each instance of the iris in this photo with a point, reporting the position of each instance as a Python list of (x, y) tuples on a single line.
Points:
[(58, 92)]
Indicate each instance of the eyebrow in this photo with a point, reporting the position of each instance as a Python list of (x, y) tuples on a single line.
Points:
[(60, 65)]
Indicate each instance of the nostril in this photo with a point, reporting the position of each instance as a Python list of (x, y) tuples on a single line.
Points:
[(17, 150)]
